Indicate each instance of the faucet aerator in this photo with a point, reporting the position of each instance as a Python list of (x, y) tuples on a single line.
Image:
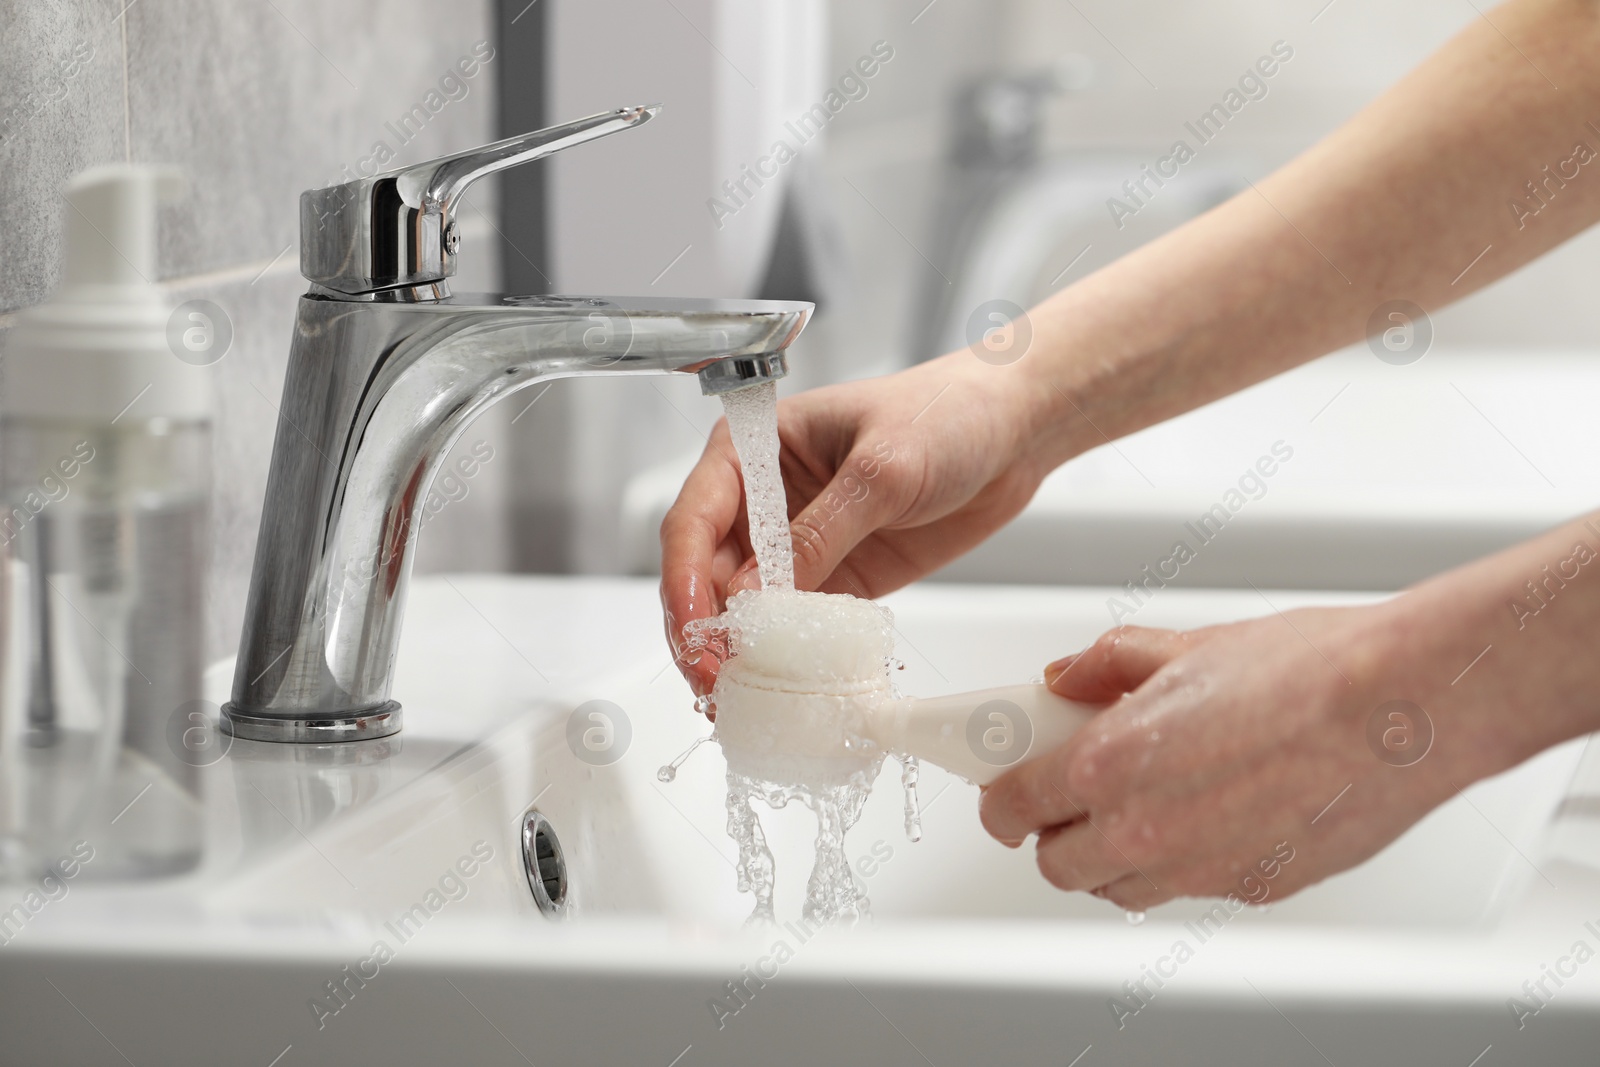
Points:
[(741, 372)]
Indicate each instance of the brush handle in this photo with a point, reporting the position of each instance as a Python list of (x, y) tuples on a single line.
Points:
[(982, 734)]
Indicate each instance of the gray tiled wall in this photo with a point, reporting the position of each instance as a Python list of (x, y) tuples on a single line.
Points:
[(255, 100)]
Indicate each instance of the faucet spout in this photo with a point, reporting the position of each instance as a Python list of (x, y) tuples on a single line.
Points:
[(377, 391)]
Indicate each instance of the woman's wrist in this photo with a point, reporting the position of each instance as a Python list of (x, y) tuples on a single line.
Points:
[(1500, 652), (1020, 419), (1107, 359), (1040, 393)]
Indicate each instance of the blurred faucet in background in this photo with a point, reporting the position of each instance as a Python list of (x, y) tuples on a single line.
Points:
[(996, 132), (1014, 224)]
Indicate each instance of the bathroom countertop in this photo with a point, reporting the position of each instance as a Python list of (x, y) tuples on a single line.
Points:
[(315, 853)]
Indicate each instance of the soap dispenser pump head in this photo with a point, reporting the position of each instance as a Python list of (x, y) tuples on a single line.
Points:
[(98, 350), (111, 223)]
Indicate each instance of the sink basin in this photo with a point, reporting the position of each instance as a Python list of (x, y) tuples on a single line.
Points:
[(317, 856)]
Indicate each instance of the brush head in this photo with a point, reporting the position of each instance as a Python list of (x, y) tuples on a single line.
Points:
[(794, 702)]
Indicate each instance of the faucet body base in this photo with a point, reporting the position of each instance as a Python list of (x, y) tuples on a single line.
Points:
[(381, 721)]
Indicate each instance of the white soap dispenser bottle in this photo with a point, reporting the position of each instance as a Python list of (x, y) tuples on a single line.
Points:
[(106, 439)]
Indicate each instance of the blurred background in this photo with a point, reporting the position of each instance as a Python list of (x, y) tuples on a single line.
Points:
[(906, 165), (974, 162)]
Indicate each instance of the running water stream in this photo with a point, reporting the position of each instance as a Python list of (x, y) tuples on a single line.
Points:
[(753, 424)]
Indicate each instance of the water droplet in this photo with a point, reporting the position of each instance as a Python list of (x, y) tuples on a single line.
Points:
[(1135, 918), (670, 771), (702, 704), (909, 771)]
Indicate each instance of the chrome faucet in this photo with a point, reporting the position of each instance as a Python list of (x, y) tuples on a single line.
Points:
[(386, 371)]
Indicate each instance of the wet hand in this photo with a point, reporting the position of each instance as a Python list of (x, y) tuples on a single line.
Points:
[(887, 480), (1228, 749)]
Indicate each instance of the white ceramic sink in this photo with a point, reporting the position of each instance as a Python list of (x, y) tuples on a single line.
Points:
[(315, 855)]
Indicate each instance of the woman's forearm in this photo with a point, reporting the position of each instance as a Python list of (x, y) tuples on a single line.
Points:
[(1510, 642), (1393, 205)]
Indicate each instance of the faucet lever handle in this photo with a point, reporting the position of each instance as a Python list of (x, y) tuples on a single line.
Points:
[(397, 229), (445, 179)]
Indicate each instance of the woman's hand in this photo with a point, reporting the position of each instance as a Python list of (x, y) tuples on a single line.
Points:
[(887, 480), (1239, 744)]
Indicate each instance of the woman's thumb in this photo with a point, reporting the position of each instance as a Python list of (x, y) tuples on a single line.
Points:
[(847, 511)]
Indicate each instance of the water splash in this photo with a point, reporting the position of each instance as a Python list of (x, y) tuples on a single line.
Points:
[(832, 895)]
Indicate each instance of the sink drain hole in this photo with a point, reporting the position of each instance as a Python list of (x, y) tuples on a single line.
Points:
[(544, 863)]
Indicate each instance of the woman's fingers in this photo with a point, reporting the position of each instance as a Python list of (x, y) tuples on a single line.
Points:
[(697, 552), (1134, 892), (886, 550), (1079, 856), (861, 498), (1119, 662), (1029, 799), (1055, 788)]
